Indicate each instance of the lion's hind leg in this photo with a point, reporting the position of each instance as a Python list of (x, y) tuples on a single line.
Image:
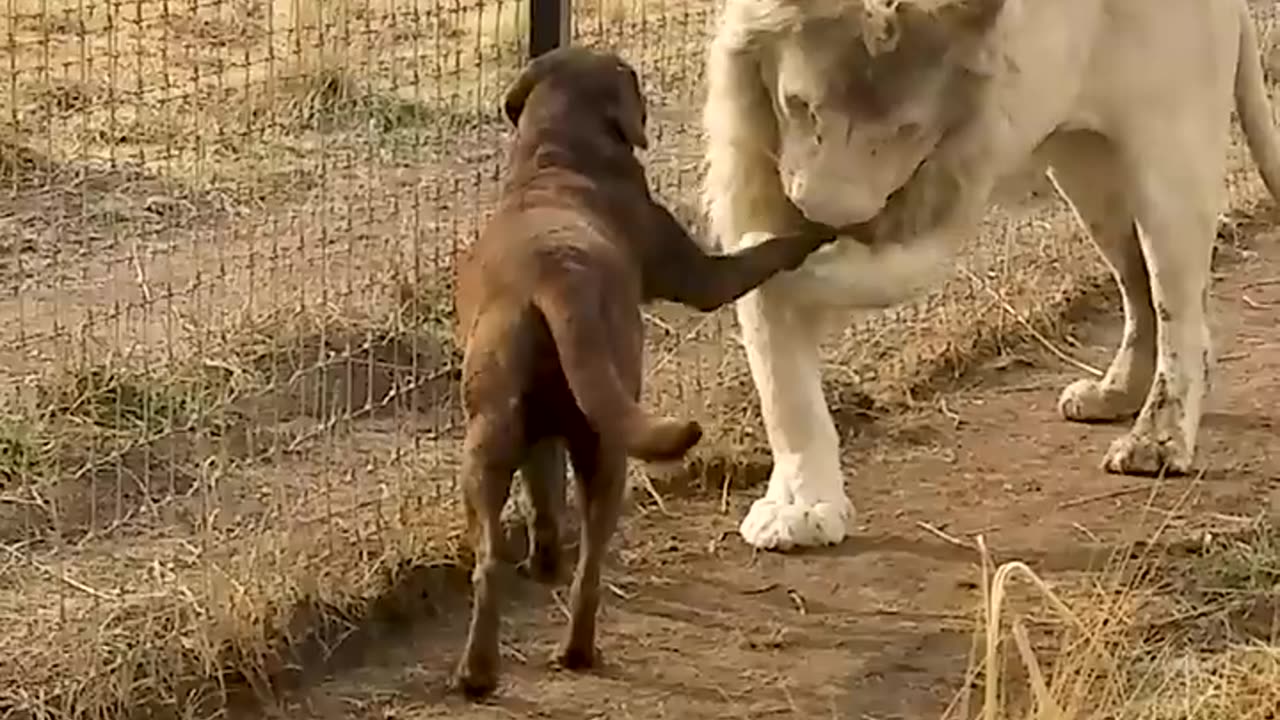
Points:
[(1086, 171), (1174, 195)]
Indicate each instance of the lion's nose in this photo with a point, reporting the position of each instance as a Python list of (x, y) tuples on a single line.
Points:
[(859, 209), (832, 205)]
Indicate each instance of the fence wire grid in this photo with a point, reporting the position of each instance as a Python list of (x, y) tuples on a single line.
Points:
[(229, 384)]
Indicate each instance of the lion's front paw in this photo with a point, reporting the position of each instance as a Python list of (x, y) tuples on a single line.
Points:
[(1147, 453), (775, 525), (1088, 400)]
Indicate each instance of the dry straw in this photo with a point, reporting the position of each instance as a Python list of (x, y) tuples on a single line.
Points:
[(1107, 663)]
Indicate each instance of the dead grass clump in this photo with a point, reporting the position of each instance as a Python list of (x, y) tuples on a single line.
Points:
[(1131, 645), (112, 396), (24, 451), (58, 97), (156, 557), (1230, 590), (339, 369), (328, 99), (227, 24), (111, 446), (163, 630), (1244, 565), (1240, 683), (996, 333), (19, 161), (59, 211), (103, 447)]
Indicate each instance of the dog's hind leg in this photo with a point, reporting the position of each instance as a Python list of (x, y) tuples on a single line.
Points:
[(600, 468), (543, 476), (491, 453)]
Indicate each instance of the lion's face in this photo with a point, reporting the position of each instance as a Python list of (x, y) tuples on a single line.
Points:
[(853, 127)]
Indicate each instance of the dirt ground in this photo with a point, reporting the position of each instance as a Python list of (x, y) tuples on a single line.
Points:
[(695, 625)]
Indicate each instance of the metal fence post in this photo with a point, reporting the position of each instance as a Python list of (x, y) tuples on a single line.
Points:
[(548, 25)]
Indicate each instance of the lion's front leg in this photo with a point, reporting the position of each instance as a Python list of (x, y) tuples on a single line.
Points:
[(805, 503)]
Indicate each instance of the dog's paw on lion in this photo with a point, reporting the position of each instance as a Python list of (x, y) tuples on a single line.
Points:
[(777, 525)]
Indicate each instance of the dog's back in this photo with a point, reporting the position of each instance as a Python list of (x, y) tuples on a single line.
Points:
[(549, 295)]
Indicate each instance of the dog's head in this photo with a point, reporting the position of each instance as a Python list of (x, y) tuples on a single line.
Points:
[(593, 81)]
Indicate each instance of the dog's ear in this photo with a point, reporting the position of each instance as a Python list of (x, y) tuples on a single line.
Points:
[(627, 111), (518, 92)]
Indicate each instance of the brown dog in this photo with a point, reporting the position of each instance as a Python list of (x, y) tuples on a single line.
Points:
[(548, 304)]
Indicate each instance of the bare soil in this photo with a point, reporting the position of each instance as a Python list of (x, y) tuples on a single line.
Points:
[(696, 625)]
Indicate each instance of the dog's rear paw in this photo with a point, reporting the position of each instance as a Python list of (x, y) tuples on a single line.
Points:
[(542, 565), (475, 683), (577, 659)]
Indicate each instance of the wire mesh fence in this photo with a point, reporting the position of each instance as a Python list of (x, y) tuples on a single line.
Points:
[(228, 230)]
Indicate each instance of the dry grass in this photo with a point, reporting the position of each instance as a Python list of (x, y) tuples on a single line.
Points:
[(1152, 636), (147, 563), (173, 627), (245, 451)]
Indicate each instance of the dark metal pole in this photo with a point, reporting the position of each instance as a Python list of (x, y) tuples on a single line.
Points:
[(548, 25)]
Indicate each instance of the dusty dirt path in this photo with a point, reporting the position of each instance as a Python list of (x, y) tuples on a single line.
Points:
[(696, 626)]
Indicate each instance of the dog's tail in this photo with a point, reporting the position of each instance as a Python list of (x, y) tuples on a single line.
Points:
[(577, 312)]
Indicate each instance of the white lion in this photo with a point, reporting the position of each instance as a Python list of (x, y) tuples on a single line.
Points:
[(895, 120)]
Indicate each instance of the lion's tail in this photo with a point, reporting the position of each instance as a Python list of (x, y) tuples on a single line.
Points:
[(1254, 108), (577, 313)]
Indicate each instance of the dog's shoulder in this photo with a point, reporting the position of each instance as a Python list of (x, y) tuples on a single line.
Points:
[(611, 194), (540, 229)]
